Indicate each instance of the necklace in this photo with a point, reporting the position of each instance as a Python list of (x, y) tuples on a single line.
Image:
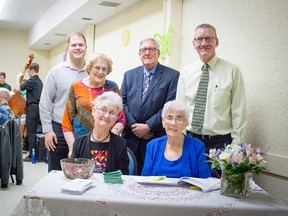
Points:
[(99, 140)]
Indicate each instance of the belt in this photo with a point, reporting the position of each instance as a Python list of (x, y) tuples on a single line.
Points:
[(201, 136)]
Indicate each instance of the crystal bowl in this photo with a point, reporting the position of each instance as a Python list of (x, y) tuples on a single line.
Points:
[(77, 167)]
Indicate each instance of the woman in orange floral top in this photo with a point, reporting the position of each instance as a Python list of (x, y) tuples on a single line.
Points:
[(77, 118)]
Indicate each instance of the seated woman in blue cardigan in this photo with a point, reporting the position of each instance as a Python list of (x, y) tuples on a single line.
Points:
[(176, 155)]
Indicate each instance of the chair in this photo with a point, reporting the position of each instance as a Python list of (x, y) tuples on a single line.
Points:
[(132, 162), (11, 158)]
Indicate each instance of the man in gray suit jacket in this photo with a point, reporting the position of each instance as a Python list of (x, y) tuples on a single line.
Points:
[(145, 90)]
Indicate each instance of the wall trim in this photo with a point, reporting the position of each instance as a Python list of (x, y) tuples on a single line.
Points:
[(277, 164)]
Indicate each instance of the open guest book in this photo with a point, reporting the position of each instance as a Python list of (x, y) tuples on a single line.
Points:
[(205, 184)]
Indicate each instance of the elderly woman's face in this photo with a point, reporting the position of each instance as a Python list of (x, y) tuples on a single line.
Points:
[(174, 123), (104, 114), (98, 73)]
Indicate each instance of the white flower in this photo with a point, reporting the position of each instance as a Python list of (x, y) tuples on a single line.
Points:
[(235, 148), (225, 156)]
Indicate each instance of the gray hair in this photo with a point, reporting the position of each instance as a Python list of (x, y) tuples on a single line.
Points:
[(111, 98), (178, 106), (205, 25), (150, 39), (5, 93), (94, 58)]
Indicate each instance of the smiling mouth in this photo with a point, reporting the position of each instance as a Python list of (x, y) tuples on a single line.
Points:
[(174, 130)]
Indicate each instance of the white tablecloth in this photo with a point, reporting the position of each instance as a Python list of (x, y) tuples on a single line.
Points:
[(133, 199)]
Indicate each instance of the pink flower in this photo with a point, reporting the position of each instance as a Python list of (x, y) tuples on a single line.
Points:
[(253, 158), (248, 149), (237, 157)]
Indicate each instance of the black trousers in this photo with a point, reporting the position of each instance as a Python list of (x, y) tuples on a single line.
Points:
[(218, 141), (140, 155), (61, 150), (32, 121)]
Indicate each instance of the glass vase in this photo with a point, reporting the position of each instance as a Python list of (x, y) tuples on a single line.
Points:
[(236, 185)]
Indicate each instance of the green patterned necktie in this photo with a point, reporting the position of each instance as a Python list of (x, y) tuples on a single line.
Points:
[(200, 101)]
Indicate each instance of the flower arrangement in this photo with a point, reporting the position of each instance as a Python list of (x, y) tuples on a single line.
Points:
[(237, 163), (237, 159)]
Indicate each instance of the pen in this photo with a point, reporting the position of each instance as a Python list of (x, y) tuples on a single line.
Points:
[(159, 178), (194, 187)]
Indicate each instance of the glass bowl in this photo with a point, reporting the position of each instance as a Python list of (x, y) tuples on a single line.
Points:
[(77, 167)]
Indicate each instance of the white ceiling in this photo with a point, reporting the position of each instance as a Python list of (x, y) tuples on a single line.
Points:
[(48, 22)]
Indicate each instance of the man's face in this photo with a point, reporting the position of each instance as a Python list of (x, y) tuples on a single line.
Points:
[(204, 43), (77, 48), (149, 54), (2, 80)]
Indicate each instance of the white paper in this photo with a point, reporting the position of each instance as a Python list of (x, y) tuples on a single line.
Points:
[(204, 184), (149, 180), (77, 186)]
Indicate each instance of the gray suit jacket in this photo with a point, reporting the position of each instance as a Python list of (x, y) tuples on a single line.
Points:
[(162, 89)]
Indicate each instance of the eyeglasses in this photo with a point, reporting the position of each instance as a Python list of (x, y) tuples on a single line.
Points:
[(99, 68), (149, 49), (170, 119), (199, 40), (104, 111)]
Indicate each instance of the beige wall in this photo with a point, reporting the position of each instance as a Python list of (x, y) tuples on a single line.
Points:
[(14, 55)]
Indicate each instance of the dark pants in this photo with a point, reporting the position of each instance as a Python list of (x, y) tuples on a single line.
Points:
[(140, 155), (32, 121), (218, 141), (61, 150)]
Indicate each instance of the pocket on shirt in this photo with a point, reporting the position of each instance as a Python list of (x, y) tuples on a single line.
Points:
[(221, 98)]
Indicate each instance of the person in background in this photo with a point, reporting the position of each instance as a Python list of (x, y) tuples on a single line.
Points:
[(33, 87), (77, 118), (108, 150), (5, 111), (3, 81), (145, 90), (225, 116), (54, 96), (23, 93), (22, 124), (176, 155)]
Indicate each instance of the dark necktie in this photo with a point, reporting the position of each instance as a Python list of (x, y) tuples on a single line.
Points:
[(146, 84), (200, 101)]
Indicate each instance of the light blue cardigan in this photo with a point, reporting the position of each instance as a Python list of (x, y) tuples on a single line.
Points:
[(194, 160)]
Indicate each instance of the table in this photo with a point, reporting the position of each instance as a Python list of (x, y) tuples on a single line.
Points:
[(133, 199)]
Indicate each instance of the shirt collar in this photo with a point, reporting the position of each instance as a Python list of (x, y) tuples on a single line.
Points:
[(213, 62), (152, 71), (68, 64)]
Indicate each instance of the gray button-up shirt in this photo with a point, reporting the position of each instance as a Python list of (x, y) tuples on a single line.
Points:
[(55, 93)]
